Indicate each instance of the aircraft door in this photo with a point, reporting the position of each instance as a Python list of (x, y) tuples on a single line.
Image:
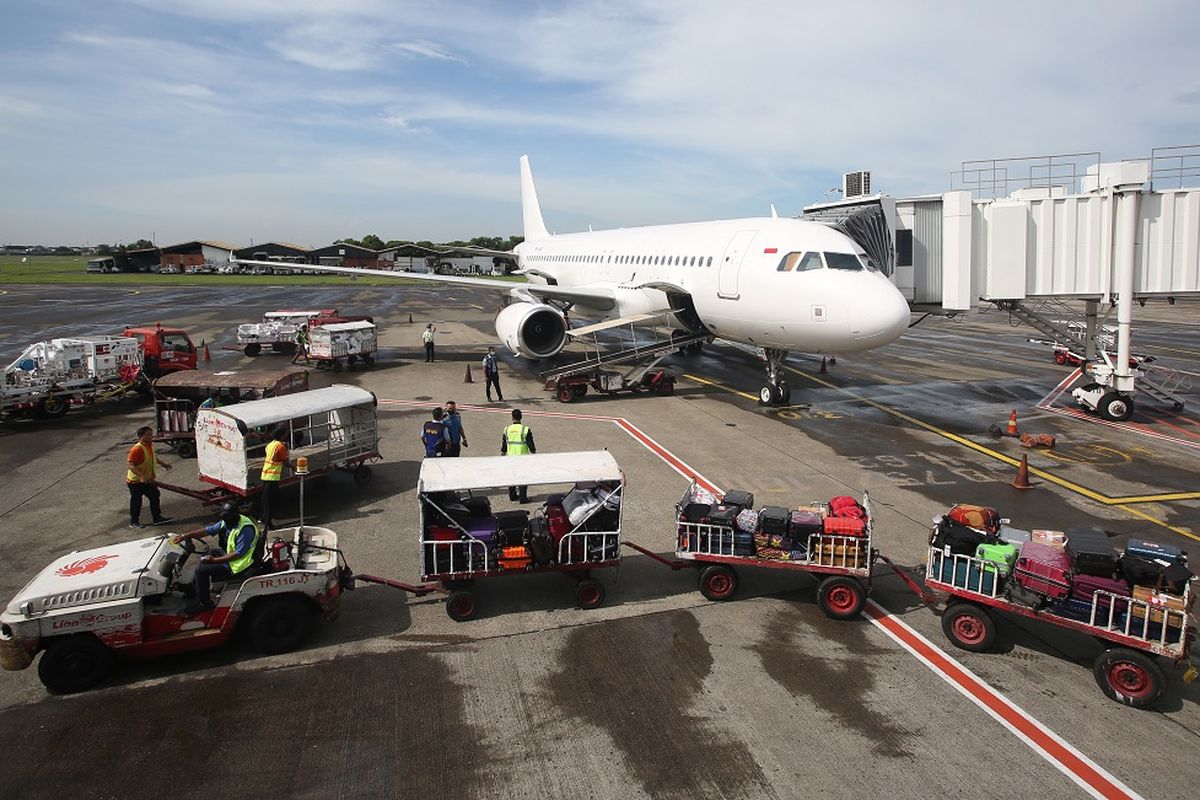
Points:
[(731, 264)]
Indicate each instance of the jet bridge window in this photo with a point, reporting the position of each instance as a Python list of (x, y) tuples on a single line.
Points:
[(847, 261), (800, 262)]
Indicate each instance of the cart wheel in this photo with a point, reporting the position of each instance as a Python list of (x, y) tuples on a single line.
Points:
[(362, 474), (252, 349), (565, 393), (718, 582), (52, 407), (579, 390), (1060, 358), (337, 365), (369, 360), (589, 594), (185, 448), (841, 597), (74, 664), (280, 347), (279, 624), (969, 627), (352, 359), (1129, 677), (665, 387), (462, 605)]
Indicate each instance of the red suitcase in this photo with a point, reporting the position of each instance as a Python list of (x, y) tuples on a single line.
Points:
[(1085, 586), (846, 506), (1044, 570), (844, 526)]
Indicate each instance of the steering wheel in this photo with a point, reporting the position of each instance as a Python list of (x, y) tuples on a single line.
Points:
[(193, 546)]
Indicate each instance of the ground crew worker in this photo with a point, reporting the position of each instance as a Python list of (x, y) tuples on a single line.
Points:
[(301, 344), (140, 476), (454, 426), (272, 473), (240, 550), (517, 441), (427, 338), (491, 375), (435, 436)]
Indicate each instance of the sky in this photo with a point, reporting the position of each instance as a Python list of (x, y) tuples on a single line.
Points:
[(307, 121)]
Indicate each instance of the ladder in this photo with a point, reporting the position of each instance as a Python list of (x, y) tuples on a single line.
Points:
[(1060, 332), (1164, 385), (651, 352)]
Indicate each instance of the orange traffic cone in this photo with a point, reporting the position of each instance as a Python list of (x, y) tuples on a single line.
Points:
[(823, 371), (1012, 424), (1022, 479), (204, 346), (468, 378)]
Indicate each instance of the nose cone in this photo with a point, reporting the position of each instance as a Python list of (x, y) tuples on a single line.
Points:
[(880, 315)]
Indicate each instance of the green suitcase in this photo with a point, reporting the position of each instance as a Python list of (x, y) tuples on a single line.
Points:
[(1001, 556)]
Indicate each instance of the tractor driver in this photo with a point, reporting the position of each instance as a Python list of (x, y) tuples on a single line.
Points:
[(239, 553)]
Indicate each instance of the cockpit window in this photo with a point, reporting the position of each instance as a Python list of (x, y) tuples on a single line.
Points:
[(799, 262), (847, 261), (868, 263)]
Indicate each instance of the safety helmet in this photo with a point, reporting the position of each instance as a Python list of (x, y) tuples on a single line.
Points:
[(230, 513)]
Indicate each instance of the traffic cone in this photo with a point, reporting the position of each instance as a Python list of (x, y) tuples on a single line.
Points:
[(823, 371), (1012, 424), (410, 319), (204, 346), (1022, 479), (468, 378)]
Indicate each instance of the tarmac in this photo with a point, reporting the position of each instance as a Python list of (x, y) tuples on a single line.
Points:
[(657, 693)]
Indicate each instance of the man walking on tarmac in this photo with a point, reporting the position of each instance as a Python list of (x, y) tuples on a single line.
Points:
[(427, 338), (517, 441), (272, 473), (435, 436), (237, 554), (301, 345), (454, 426), (140, 476), (491, 375)]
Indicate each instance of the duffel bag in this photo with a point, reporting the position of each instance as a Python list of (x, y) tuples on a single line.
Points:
[(979, 517), (846, 506)]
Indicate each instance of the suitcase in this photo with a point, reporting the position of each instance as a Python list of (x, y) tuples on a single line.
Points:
[(482, 528), (839, 554), (1085, 586), (1153, 550), (736, 497), (747, 521), (1148, 572), (844, 526), (515, 557), (556, 517), (953, 538), (1091, 553), (1013, 536), (1158, 601), (773, 553), (1049, 538), (998, 557), (846, 506), (804, 523), (511, 526), (479, 506), (440, 533), (541, 545), (1079, 610), (963, 573), (762, 540), (1043, 569), (723, 515), (774, 520), (446, 512), (694, 512), (978, 517)]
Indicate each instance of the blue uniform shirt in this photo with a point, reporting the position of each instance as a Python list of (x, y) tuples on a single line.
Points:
[(242, 542), (453, 424)]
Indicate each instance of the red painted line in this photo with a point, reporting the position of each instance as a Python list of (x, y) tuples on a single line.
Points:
[(1078, 414), (1091, 777), (673, 461), (1060, 388)]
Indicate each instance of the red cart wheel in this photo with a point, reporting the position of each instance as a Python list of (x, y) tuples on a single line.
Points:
[(969, 627), (1060, 358), (589, 594), (565, 393), (1129, 677), (362, 474), (841, 597), (718, 582), (462, 605)]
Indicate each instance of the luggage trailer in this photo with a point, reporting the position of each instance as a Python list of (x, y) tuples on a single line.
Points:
[(1133, 632), (843, 562)]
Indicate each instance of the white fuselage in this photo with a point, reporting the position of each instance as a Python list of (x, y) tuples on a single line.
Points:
[(730, 269)]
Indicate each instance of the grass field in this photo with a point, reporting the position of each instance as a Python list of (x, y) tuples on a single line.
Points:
[(69, 270)]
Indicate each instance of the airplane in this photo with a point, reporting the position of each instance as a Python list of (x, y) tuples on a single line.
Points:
[(779, 284)]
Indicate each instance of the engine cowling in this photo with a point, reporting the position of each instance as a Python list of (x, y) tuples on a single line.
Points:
[(532, 330)]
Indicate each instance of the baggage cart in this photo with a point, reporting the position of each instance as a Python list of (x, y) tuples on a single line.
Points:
[(178, 397), (967, 591), (334, 428), (843, 563), (336, 344), (456, 551), (277, 330)]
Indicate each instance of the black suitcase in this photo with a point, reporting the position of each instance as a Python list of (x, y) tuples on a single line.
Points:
[(723, 515), (511, 527), (961, 539), (774, 520), (1146, 572), (695, 512), (541, 545), (478, 506), (1091, 553), (736, 497)]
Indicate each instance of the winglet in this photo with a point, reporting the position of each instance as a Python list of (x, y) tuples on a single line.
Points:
[(774, 213), (535, 227)]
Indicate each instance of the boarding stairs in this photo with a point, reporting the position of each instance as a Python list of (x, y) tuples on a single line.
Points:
[(1051, 318), (634, 350), (1165, 385)]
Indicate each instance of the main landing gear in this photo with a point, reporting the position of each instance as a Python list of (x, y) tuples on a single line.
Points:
[(775, 392)]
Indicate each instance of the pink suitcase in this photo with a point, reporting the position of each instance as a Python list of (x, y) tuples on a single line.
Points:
[(1043, 569), (1085, 586)]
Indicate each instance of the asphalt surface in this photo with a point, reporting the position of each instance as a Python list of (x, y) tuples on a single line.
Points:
[(658, 693)]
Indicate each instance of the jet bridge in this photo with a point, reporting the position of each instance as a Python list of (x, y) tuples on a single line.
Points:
[(1026, 234)]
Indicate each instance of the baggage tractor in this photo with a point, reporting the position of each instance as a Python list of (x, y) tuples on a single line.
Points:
[(1085, 586), (958, 538), (1091, 553), (1153, 550), (515, 557), (846, 506), (774, 520), (1044, 570), (803, 524), (1149, 572), (736, 497), (981, 518), (1000, 557), (541, 545), (844, 526)]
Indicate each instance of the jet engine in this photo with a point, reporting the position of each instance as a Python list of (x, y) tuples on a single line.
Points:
[(532, 330)]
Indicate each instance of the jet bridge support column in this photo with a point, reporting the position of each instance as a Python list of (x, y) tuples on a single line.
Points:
[(1091, 316), (1127, 224)]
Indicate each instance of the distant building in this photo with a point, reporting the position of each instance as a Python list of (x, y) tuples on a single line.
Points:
[(274, 251), (196, 256), (344, 255), (408, 258)]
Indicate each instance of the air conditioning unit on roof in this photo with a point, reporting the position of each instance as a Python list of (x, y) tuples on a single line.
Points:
[(856, 184)]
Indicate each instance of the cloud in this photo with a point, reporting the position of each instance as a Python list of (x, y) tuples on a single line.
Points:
[(1191, 98), (426, 50), (193, 90), (18, 106)]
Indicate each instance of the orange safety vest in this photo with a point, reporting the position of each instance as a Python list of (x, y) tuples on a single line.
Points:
[(277, 454), (148, 459)]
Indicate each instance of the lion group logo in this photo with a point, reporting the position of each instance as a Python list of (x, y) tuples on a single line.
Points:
[(84, 566)]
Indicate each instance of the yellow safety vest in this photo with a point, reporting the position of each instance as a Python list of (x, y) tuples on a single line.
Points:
[(273, 467), (241, 562), (514, 438), (148, 460)]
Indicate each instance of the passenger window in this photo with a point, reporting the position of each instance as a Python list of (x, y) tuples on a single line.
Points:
[(692, 261), (846, 261), (810, 261), (709, 264), (788, 262)]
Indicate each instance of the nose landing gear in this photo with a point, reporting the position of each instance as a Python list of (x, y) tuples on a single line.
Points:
[(775, 392)]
